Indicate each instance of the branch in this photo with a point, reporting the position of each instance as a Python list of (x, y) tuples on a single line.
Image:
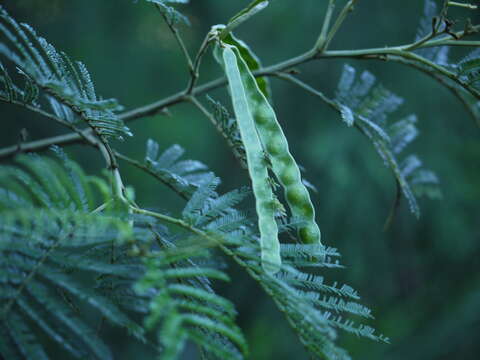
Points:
[(320, 44), (196, 64), (292, 79), (338, 23), (40, 112), (81, 133), (464, 5), (386, 53), (40, 145), (394, 208), (445, 82), (178, 38), (401, 51)]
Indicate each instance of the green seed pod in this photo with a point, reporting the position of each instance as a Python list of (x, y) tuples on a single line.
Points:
[(257, 166), (283, 163)]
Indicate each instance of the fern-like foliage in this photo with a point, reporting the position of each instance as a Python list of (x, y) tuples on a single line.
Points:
[(313, 307), (50, 243), (182, 176), (52, 231), (466, 69), (369, 106), (68, 89), (66, 245), (184, 306)]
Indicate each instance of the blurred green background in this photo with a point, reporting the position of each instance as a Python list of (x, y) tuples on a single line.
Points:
[(421, 277)]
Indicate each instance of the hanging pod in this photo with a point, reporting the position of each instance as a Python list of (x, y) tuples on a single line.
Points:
[(257, 165), (275, 146)]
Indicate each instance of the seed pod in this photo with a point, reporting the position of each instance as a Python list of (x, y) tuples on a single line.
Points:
[(283, 164), (257, 166)]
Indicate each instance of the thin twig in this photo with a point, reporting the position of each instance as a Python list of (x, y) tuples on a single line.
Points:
[(78, 132), (296, 81), (394, 208), (40, 145), (339, 22), (312, 91), (383, 53), (454, 42), (321, 41), (463, 5), (434, 33), (445, 82), (196, 64), (178, 38), (39, 111), (376, 53)]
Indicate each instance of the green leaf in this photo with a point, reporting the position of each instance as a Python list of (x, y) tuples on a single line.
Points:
[(253, 8), (347, 115), (371, 106), (48, 236), (468, 69), (214, 345), (190, 272), (232, 333), (202, 295), (65, 83), (9, 94), (183, 176), (172, 15), (26, 341), (195, 207), (58, 313), (104, 305)]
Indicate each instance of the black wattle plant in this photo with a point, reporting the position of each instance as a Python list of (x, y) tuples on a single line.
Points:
[(77, 251)]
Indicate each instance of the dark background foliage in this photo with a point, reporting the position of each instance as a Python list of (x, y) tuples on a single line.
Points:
[(420, 277)]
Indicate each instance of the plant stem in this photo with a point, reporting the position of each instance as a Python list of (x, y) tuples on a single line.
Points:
[(321, 41), (387, 53), (170, 220), (308, 89), (338, 23), (464, 5), (178, 38), (196, 64), (42, 144), (445, 82)]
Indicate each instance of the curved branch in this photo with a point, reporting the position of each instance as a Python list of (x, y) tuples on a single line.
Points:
[(445, 82), (390, 53)]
